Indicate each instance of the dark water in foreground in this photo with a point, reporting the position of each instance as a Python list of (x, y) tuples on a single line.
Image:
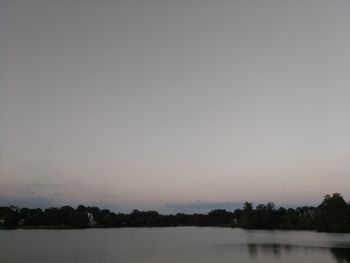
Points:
[(168, 245)]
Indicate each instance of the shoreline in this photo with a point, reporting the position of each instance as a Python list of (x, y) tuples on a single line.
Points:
[(149, 227)]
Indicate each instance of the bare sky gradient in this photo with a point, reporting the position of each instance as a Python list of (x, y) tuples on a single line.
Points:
[(153, 103)]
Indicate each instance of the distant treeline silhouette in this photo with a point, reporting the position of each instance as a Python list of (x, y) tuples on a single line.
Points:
[(332, 215)]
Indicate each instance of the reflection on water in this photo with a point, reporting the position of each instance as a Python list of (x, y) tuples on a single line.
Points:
[(172, 245), (341, 254)]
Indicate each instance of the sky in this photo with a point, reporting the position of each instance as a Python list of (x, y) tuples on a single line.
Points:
[(173, 105)]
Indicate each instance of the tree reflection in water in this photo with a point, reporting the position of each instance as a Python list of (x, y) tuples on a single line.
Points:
[(341, 254)]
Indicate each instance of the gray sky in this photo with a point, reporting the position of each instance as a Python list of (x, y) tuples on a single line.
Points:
[(159, 104)]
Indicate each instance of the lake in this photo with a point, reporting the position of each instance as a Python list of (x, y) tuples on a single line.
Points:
[(173, 244)]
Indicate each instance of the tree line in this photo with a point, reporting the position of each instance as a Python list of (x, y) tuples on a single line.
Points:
[(332, 215)]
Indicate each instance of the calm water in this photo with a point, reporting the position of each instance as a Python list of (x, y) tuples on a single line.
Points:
[(167, 245)]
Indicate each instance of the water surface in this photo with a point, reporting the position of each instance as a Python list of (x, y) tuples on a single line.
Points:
[(174, 244)]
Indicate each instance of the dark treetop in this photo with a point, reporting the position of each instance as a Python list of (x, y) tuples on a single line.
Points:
[(332, 215)]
